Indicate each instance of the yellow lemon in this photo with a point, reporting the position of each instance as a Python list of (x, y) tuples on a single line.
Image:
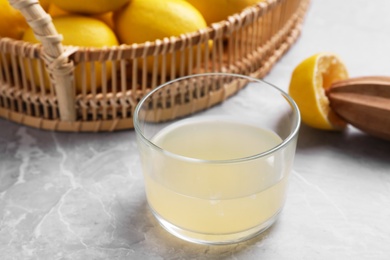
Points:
[(217, 10), (85, 32), (55, 11), (308, 84), (90, 6), (12, 22), (149, 20)]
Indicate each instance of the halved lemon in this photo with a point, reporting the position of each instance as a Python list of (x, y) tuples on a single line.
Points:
[(308, 85)]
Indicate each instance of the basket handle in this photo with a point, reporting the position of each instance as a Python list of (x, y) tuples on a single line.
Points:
[(58, 65)]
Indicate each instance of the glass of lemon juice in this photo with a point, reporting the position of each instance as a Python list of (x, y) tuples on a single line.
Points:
[(217, 175)]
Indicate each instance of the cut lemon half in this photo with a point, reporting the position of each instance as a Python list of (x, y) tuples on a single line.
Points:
[(308, 85)]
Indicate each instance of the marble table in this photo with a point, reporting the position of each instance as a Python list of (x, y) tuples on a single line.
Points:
[(81, 196)]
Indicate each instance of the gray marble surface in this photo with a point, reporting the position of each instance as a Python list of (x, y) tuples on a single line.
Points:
[(81, 196)]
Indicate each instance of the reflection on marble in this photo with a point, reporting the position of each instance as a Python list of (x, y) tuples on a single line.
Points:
[(81, 196)]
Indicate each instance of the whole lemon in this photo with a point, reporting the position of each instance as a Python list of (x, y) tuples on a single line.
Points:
[(149, 20), (12, 22), (85, 32), (217, 10), (55, 11), (89, 6)]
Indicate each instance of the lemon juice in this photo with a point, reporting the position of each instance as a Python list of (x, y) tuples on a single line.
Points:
[(215, 177)]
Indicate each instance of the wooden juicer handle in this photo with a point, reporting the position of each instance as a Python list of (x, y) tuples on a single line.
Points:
[(363, 102)]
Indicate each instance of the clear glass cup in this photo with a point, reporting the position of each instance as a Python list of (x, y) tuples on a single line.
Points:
[(216, 160)]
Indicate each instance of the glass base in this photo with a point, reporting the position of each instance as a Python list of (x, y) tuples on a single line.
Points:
[(215, 239)]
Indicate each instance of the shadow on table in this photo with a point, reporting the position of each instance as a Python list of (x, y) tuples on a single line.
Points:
[(351, 141)]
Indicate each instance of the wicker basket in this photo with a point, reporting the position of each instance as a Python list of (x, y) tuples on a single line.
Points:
[(247, 43)]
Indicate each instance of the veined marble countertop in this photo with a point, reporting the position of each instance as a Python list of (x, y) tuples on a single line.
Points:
[(81, 196)]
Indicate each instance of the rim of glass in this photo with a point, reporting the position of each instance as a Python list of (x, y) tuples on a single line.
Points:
[(285, 141)]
